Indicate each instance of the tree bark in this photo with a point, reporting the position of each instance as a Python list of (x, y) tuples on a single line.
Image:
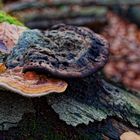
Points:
[(90, 109)]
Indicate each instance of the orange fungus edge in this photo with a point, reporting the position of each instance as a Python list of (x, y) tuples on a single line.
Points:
[(30, 84)]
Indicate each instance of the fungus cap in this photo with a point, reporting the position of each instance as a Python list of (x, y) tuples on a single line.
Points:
[(73, 52)]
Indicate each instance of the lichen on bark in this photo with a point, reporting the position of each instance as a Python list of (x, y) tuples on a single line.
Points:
[(92, 100)]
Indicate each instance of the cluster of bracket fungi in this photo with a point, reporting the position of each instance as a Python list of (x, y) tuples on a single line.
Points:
[(33, 62)]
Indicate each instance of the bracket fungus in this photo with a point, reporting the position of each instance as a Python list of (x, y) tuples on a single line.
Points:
[(63, 51), (39, 58), (27, 84), (30, 84)]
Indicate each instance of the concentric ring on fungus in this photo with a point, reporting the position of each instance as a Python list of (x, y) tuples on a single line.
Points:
[(70, 52), (30, 84)]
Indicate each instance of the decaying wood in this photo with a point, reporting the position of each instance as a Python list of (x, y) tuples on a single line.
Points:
[(90, 16), (23, 5), (91, 109), (92, 100)]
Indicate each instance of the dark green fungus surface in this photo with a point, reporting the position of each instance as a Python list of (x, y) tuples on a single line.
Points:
[(63, 51)]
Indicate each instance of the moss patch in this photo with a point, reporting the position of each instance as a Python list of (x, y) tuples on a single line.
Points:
[(7, 18)]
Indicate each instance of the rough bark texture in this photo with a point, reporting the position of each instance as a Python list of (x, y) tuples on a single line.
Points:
[(12, 107), (61, 12), (16, 6), (91, 109), (90, 100)]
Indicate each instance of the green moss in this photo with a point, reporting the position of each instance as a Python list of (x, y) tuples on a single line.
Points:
[(7, 18)]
